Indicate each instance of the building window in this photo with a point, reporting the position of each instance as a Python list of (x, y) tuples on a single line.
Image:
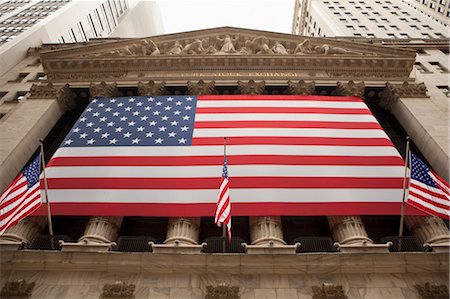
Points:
[(40, 76), (20, 95), (421, 52), (439, 67), (445, 90), (445, 51), (404, 35), (420, 67)]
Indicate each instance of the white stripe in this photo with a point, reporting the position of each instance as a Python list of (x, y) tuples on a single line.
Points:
[(284, 117), (213, 171), (7, 194), (439, 183), (427, 187), (22, 214), (18, 206), (428, 196), (281, 103), (428, 205), (289, 132), (237, 195), (311, 150)]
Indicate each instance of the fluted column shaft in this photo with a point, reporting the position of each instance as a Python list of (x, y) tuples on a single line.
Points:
[(102, 230), (183, 230), (431, 230), (26, 230), (266, 231), (348, 230)]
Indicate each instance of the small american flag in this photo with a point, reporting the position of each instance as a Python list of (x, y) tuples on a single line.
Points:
[(21, 198), (223, 211), (428, 192)]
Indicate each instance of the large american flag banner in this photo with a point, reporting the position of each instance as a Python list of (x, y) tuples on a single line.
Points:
[(288, 155), (428, 191)]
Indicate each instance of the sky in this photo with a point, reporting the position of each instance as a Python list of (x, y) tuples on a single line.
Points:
[(269, 15)]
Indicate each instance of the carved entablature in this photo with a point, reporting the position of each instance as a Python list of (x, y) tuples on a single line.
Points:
[(432, 291), (222, 292), (49, 91), (328, 291), (393, 92), (225, 53), (104, 90), (302, 88), (350, 89), (17, 289), (201, 87), (152, 89), (251, 87), (119, 290)]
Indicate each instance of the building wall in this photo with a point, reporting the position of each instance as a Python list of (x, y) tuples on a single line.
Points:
[(381, 18)]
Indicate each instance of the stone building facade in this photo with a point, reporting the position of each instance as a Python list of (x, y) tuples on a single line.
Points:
[(269, 264)]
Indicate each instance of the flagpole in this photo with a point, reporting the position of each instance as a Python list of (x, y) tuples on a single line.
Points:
[(224, 228), (49, 215), (402, 217)]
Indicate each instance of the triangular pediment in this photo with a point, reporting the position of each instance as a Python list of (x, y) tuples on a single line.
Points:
[(224, 41), (225, 48)]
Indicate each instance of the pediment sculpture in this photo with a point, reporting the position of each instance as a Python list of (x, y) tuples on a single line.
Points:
[(227, 45)]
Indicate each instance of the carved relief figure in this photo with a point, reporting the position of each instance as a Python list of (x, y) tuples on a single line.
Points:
[(228, 46), (196, 47), (176, 49), (303, 48), (278, 48), (259, 45), (329, 50), (150, 48)]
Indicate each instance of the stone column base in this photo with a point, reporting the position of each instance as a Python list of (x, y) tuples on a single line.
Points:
[(6, 245), (363, 247), (176, 247), (86, 246), (442, 247), (271, 249)]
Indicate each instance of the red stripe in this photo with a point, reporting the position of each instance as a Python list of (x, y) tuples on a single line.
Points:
[(278, 97), (212, 183), (428, 200), (428, 191), (293, 141), (232, 160), (15, 198), (239, 209), (27, 199), (31, 211), (290, 110), (440, 179), (427, 210), (286, 124)]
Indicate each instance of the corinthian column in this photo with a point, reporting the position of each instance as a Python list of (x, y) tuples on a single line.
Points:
[(430, 231), (265, 231), (99, 235), (351, 236), (101, 230), (23, 232), (183, 231)]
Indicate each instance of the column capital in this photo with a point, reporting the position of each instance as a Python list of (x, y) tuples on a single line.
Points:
[(184, 231), (430, 231), (251, 87), (201, 87), (151, 88), (62, 94), (301, 87), (104, 90), (350, 89), (393, 92)]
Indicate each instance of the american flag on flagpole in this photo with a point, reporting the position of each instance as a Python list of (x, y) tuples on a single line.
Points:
[(427, 191), (22, 197), (223, 210), (289, 155)]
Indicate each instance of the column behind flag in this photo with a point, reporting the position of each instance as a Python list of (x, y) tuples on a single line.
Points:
[(22, 197), (223, 210), (428, 192)]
